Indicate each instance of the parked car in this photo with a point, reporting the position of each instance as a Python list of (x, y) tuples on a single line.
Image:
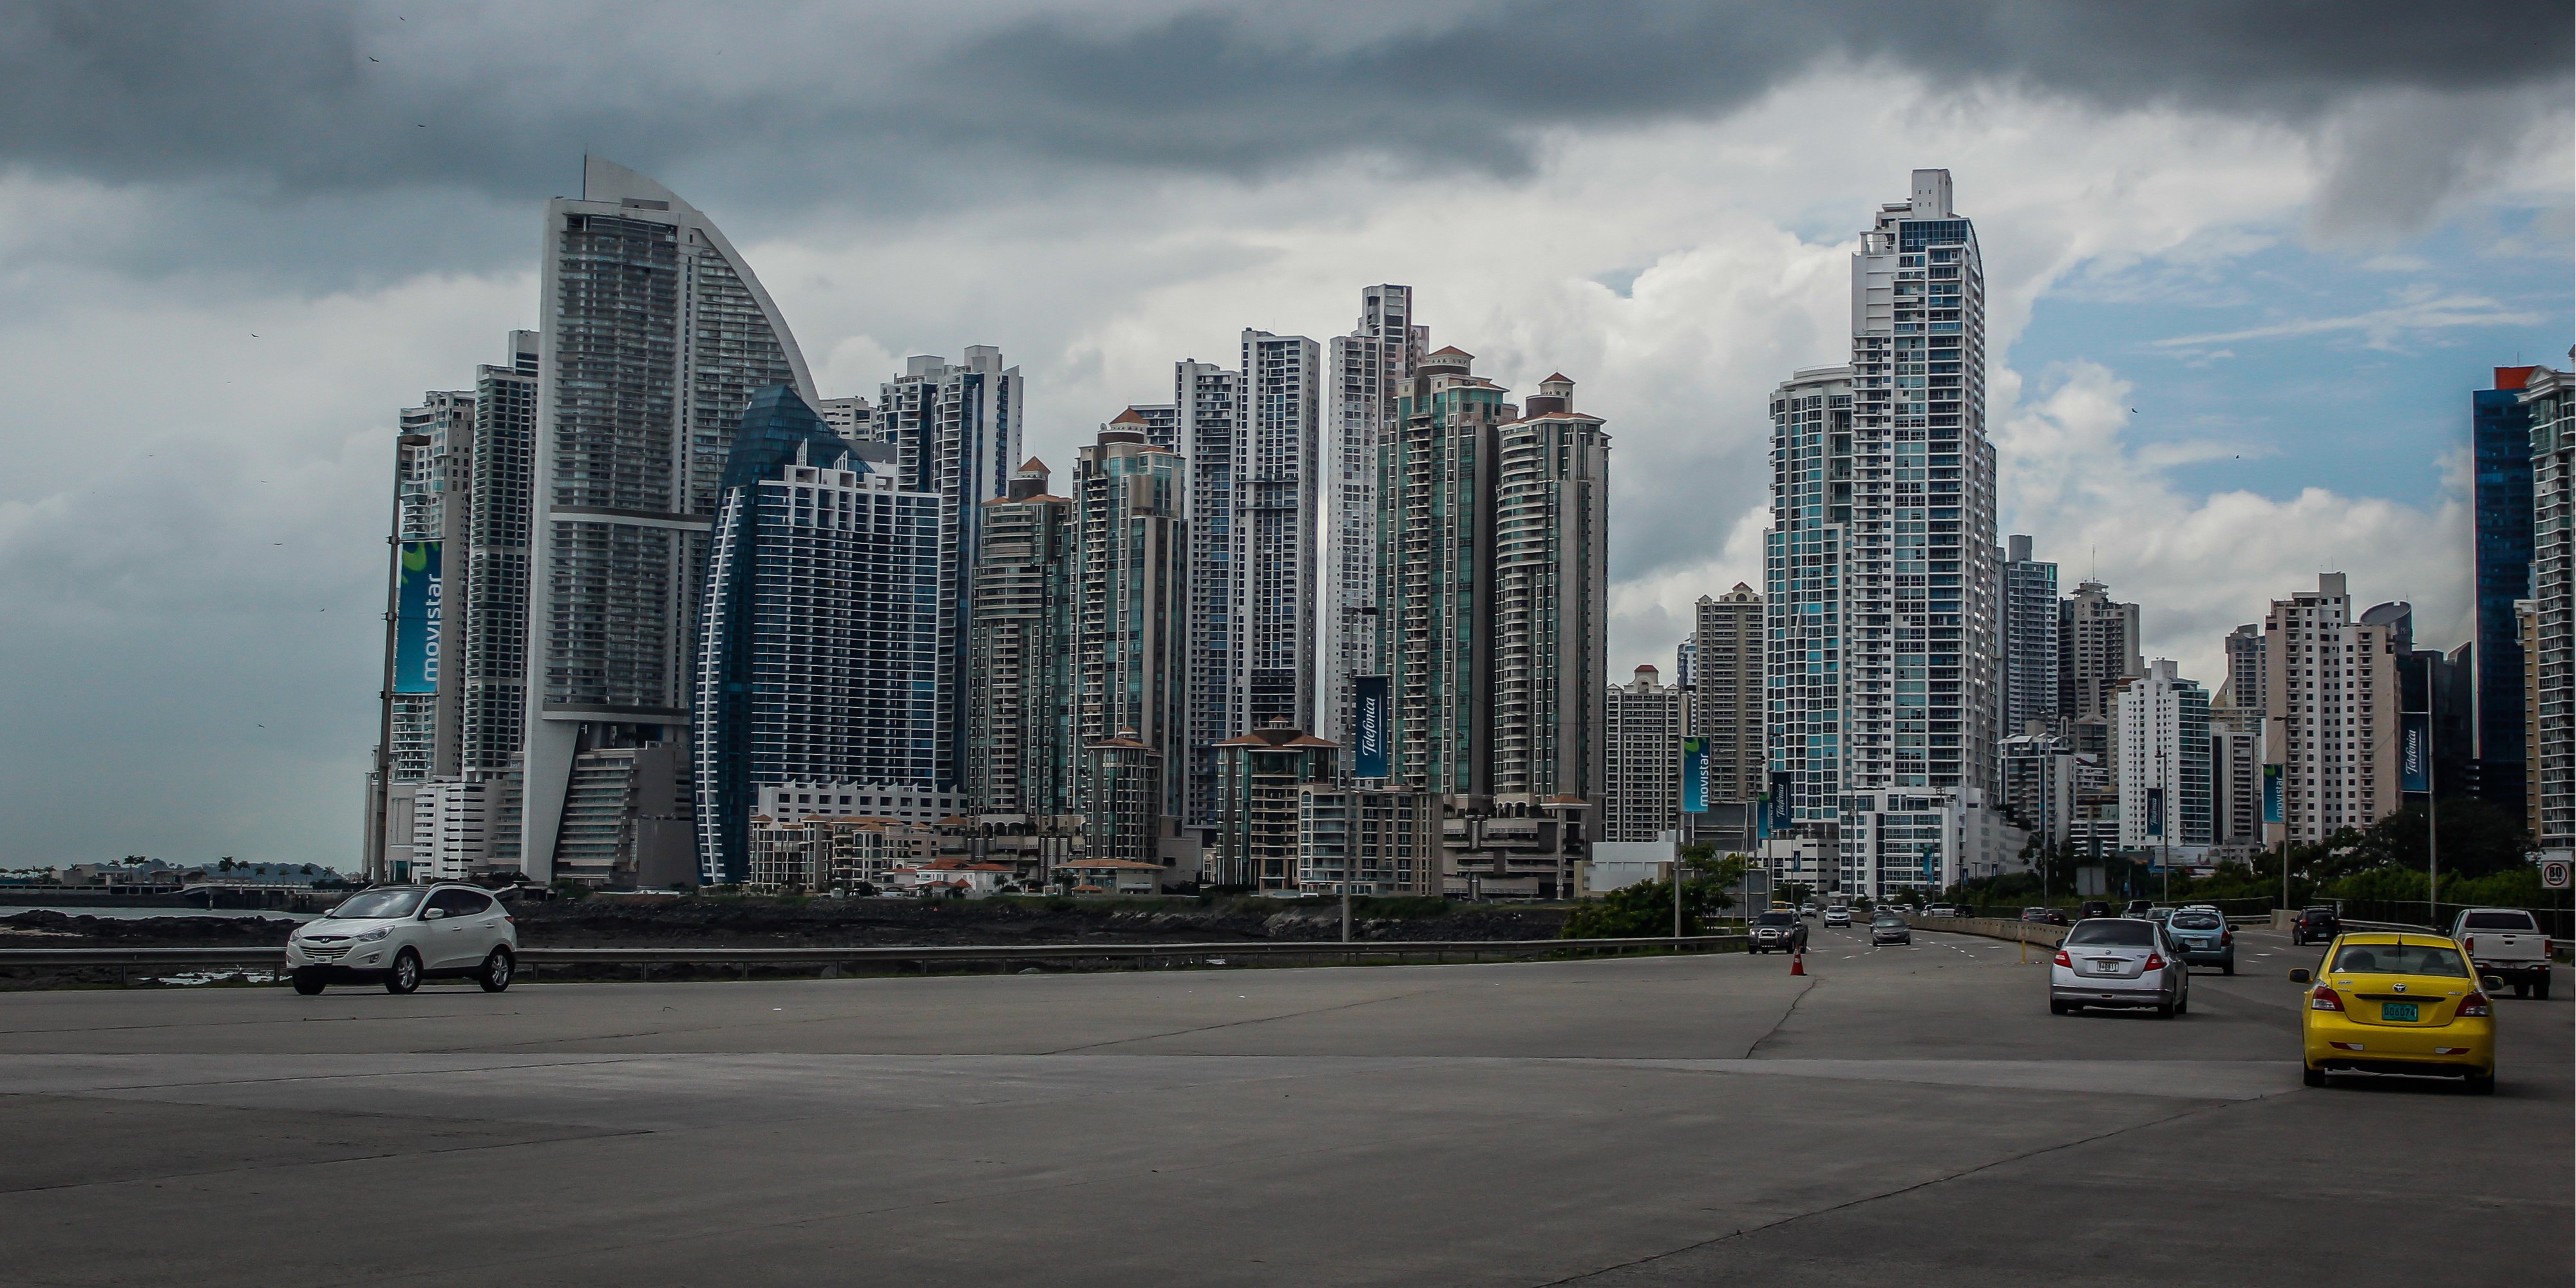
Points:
[(2119, 961), (1778, 930), (2506, 943), (1889, 928), (2315, 923), (2205, 939), (2397, 1003), (401, 935), (1838, 916)]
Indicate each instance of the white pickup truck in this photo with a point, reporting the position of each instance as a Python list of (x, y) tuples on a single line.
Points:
[(2507, 943)]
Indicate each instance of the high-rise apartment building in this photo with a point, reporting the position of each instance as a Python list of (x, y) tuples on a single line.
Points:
[(1686, 655), (2038, 769), (956, 432), (2164, 775), (1494, 575), (2029, 635), (2500, 490), (1021, 752), (1726, 704), (2333, 719), (2243, 687), (2235, 777), (817, 652), (1259, 777), (2549, 651), (1365, 370), (1204, 396), (1368, 841), (2098, 645), (433, 455), (493, 663), (1641, 780), (1277, 484), (656, 336), (1882, 582), (1131, 662)]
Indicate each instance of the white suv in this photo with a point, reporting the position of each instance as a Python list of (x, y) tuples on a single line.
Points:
[(404, 934)]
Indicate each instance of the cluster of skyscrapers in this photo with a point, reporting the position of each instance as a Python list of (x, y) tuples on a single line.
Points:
[(1334, 617), (699, 597)]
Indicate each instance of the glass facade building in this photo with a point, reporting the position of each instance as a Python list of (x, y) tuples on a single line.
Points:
[(2500, 450)]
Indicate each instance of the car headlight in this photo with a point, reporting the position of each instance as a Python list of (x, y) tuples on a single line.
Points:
[(373, 935)]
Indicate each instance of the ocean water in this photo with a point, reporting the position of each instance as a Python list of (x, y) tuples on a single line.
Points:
[(144, 914)]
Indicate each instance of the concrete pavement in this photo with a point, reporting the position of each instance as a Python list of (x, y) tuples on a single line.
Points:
[(1910, 1114)]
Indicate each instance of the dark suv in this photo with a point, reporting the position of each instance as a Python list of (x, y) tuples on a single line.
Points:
[(1778, 930), (2315, 925)]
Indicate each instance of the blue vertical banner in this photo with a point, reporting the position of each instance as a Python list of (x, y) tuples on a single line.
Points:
[(1369, 726), (1694, 775), (2155, 811), (2271, 793), (2415, 752), (419, 578)]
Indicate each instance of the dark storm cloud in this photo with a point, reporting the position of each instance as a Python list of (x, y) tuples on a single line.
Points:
[(285, 99)]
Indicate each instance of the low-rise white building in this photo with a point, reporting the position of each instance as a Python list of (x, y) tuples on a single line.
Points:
[(918, 804)]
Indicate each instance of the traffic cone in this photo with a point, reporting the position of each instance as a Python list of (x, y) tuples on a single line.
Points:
[(1798, 962)]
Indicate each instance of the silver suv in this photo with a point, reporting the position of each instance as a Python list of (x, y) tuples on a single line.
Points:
[(404, 934)]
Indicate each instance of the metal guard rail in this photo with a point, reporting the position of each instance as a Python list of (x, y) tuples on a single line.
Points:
[(540, 957)]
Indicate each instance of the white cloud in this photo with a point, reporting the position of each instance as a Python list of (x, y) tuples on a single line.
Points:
[(2379, 328)]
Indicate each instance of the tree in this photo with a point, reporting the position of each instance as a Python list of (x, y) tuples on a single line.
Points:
[(1645, 910), (2477, 837)]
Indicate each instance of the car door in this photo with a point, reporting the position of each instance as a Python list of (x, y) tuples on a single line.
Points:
[(449, 941)]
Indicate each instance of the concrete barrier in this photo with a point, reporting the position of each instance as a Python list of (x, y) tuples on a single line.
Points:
[(2030, 932)]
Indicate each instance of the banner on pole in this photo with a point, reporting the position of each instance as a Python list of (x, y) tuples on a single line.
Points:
[(1694, 775), (419, 579), (1369, 721)]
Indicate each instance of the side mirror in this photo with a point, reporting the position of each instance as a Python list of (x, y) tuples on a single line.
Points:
[(433, 914), (2495, 981), (2299, 977)]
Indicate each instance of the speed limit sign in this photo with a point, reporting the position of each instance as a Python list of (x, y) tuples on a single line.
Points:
[(2554, 873)]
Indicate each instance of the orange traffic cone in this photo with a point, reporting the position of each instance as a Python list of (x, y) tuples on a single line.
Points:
[(1798, 963)]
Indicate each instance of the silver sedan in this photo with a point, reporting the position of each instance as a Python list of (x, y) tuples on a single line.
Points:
[(2115, 961)]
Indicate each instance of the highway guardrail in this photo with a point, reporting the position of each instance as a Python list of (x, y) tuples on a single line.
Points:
[(2029, 932)]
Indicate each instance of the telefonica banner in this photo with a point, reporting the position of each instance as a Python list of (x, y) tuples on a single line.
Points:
[(2415, 752), (418, 584), (1694, 775), (1368, 720)]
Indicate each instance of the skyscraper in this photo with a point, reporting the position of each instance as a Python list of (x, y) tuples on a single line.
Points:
[(494, 661), (1022, 757), (817, 651), (1727, 704), (657, 334), (956, 432), (2243, 687), (2549, 648), (2164, 775), (434, 457), (1883, 587), (2333, 717), (2030, 637), (1641, 781), (1277, 486), (2097, 647), (1366, 369), (1204, 396), (1494, 570), (1131, 664), (2500, 459)]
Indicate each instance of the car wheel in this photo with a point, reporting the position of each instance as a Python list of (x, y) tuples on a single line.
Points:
[(2522, 990), (2313, 1076), (498, 970), (2057, 1008), (405, 975), (2228, 967), (2296, 942), (2482, 1084), (308, 981), (2165, 1010), (2541, 989)]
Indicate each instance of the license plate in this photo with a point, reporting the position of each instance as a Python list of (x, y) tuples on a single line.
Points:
[(2106, 966), (2402, 1012)]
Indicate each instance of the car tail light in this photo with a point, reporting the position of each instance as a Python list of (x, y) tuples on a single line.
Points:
[(2063, 960), (2469, 945), (2325, 999), (2226, 937), (2475, 1004), (2155, 961)]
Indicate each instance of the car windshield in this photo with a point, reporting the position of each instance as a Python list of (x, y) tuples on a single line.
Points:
[(2500, 921), (1887, 919), (2113, 934), (379, 903), (2198, 921), (2317, 912), (1775, 919), (2402, 959)]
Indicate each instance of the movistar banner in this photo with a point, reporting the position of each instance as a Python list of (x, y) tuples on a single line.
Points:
[(418, 592), (2271, 793), (1694, 775), (2415, 752), (2155, 811), (1369, 720)]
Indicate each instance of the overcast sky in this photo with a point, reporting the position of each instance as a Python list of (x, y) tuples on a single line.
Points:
[(2245, 262)]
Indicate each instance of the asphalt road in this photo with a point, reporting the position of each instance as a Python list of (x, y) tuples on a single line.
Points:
[(1902, 1116)]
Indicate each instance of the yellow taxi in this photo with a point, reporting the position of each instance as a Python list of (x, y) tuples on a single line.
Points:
[(2395, 1002)]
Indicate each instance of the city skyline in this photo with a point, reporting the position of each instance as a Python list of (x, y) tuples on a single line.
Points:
[(212, 568)]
